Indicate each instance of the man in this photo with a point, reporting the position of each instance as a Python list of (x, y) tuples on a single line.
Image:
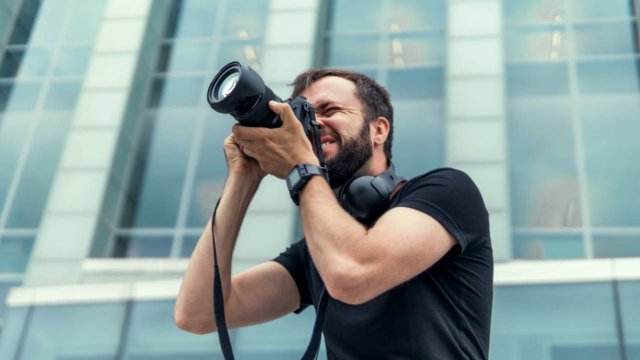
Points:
[(417, 284)]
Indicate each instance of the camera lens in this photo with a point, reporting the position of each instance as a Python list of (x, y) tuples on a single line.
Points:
[(227, 86), (239, 91)]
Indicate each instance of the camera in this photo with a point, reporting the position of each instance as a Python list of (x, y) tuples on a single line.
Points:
[(239, 91)]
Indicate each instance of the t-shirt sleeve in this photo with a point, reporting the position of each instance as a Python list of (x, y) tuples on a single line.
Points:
[(449, 196), (292, 259)]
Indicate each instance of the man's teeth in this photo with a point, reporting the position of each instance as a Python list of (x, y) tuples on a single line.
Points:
[(326, 144)]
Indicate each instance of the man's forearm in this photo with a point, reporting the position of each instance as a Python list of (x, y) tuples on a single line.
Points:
[(195, 297)]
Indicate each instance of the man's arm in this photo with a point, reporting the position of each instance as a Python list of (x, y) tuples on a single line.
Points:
[(358, 264), (261, 293)]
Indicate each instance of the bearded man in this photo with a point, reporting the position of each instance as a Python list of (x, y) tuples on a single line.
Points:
[(416, 282)]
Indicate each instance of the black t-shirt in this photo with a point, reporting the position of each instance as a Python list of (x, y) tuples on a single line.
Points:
[(443, 313)]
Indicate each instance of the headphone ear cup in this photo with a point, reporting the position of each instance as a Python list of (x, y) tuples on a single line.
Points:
[(360, 198)]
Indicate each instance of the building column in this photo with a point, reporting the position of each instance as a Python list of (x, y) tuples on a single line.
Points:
[(476, 136), (74, 209)]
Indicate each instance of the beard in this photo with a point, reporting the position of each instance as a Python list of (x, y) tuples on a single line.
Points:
[(353, 154)]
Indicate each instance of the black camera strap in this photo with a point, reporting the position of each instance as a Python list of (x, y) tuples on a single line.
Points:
[(218, 309)]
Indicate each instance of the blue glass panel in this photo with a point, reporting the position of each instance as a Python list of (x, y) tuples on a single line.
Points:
[(5, 287), (285, 338), (544, 186), (19, 96), (532, 322), (188, 244), (72, 61), (62, 95), (15, 319), (611, 125), (36, 180), (534, 11), (36, 62), (416, 83), (84, 21), (80, 331), (245, 19), (347, 15), (609, 76), (605, 38), (211, 170), (537, 79), (608, 246), (13, 131), (184, 56), (197, 18), (592, 9), (153, 334), (47, 26), (11, 62), (548, 247), (166, 166), (353, 50), (24, 22), (629, 295), (249, 51), (418, 136), (15, 253), (541, 43), (176, 91), (416, 14), (143, 246), (416, 50)]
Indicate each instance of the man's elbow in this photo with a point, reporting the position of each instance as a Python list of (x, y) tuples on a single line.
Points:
[(192, 324), (349, 287)]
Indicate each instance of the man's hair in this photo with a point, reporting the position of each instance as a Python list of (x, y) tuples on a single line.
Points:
[(374, 98)]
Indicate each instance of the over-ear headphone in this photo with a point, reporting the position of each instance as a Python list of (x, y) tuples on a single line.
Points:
[(367, 197)]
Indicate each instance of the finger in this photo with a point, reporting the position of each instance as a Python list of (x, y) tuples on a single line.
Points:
[(284, 111), (248, 134)]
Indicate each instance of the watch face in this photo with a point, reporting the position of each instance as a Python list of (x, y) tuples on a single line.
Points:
[(293, 178)]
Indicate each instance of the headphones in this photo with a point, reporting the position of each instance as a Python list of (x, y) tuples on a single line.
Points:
[(367, 197)]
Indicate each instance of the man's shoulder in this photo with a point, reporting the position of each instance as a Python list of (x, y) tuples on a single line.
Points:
[(443, 173)]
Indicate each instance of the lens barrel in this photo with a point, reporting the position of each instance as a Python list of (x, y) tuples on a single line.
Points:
[(239, 91)]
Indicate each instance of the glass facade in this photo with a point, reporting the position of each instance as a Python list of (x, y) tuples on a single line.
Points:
[(182, 169), (573, 84), (571, 76)]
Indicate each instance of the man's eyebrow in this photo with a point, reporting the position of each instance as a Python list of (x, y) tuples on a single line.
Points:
[(323, 104)]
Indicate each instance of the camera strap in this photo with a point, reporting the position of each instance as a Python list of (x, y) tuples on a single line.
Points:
[(218, 309)]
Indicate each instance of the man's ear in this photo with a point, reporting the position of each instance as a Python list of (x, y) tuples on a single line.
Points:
[(379, 130)]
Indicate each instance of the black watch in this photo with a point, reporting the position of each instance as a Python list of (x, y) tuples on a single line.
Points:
[(299, 176)]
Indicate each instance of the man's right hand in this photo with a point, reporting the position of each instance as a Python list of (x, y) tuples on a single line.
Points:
[(238, 162)]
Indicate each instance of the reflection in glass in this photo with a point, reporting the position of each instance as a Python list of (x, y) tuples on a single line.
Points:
[(608, 76), (15, 253), (352, 50), (174, 91), (608, 246), (196, 18), (89, 331), (538, 247), (544, 186), (83, 21), (42, 162), (629, 295), (62, 95), (416, 83), (153, 334), (406, 50), (13, 130), (418, 136), (534, 11), (24, 22), (540, 43), (594, 9), (10, 63), (143, 246), (346, 16), (72, 61), (21, 96), (245, 19), (416, 14), (183, 56), (247, 51), (531, 322), (611, 125), (211, 170), (157, 202), (537, 79), (605, 38)]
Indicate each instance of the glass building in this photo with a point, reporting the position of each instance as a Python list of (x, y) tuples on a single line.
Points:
[(111, 160)]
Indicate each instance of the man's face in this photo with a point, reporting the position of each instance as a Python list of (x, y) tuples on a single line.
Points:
[(345, 135)]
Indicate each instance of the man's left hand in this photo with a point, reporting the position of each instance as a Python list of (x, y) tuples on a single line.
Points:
[(277, 150)]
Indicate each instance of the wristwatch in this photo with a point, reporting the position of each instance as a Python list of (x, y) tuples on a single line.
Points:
[(299, 176)]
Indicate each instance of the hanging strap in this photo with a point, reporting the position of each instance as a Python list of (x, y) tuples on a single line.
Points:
[(218, 309)]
